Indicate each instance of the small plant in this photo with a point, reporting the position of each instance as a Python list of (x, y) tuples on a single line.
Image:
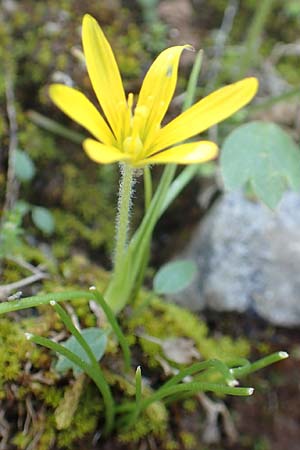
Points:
[(131, 134)]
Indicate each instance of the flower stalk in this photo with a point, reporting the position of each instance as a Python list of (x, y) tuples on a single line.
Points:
[(123, 217)]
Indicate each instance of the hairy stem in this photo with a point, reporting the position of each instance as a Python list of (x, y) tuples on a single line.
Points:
[(124, 204)]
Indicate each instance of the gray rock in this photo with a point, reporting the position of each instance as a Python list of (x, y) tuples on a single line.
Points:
[(249, 259)]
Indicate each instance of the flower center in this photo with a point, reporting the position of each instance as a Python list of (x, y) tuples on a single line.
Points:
[(135, 129)]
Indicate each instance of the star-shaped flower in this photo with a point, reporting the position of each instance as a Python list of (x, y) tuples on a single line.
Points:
[(132, 132)]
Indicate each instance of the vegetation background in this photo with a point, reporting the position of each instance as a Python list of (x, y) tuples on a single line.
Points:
[(58, 210)]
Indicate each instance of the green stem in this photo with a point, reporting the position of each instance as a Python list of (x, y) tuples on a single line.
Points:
[(148, 193), (193, 81), (124, 204), (295, 92), (250, 54), (115, 326), (147, 186), (119, 291), (55, 127), (179, 183)]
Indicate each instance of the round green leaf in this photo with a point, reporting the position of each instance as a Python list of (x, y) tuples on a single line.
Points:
[(174, 277), (264, 155), (43, 219), (22, 207), (96, 339), (24, 166)]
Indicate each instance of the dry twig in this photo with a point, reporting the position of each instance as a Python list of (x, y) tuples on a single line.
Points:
[(213, 410)]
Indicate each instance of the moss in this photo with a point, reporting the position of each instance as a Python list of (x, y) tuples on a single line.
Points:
[(14, 351), (289, 68), (190, 405), (164, 320), (46, 392), (188, 439), (154, 421), (172, 445), (84, 420)]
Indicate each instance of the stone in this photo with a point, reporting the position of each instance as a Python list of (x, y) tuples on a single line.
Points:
[(248, 259)]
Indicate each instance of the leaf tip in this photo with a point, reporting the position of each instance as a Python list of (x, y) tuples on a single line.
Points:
[(28, 336), (283, 355)]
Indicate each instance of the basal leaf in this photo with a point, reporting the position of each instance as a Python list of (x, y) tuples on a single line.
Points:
[(174, 276), (43, 219), (264, 155), (24, 166), (97, 340)]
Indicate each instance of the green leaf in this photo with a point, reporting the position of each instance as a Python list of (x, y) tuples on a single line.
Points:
[(22, 207), (97, 340), (174, 277), (264, 155), (43, 219), (24, 166)]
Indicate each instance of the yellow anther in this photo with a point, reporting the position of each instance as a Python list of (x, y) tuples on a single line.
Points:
[(130, 101)]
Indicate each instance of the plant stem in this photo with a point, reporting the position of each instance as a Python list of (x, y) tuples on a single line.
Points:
[(55, 127), (124, 204), (147, 186), (193, 81), (251, 55)]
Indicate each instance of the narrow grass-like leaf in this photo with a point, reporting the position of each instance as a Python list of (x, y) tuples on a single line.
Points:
[(260, 364), (73, 330), (199, 367), (115, 326), (38, 300), (194, 387), (88, 369)]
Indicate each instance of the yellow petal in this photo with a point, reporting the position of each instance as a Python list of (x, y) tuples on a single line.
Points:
[(191, 153), (103, 72), (103, 154), (212, 109), (79, 108), (158, 88)]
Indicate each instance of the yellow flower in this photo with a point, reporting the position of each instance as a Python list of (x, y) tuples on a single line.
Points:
[(132, 133)]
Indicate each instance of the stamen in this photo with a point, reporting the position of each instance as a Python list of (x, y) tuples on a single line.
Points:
[(141, 115), (130, 102)]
